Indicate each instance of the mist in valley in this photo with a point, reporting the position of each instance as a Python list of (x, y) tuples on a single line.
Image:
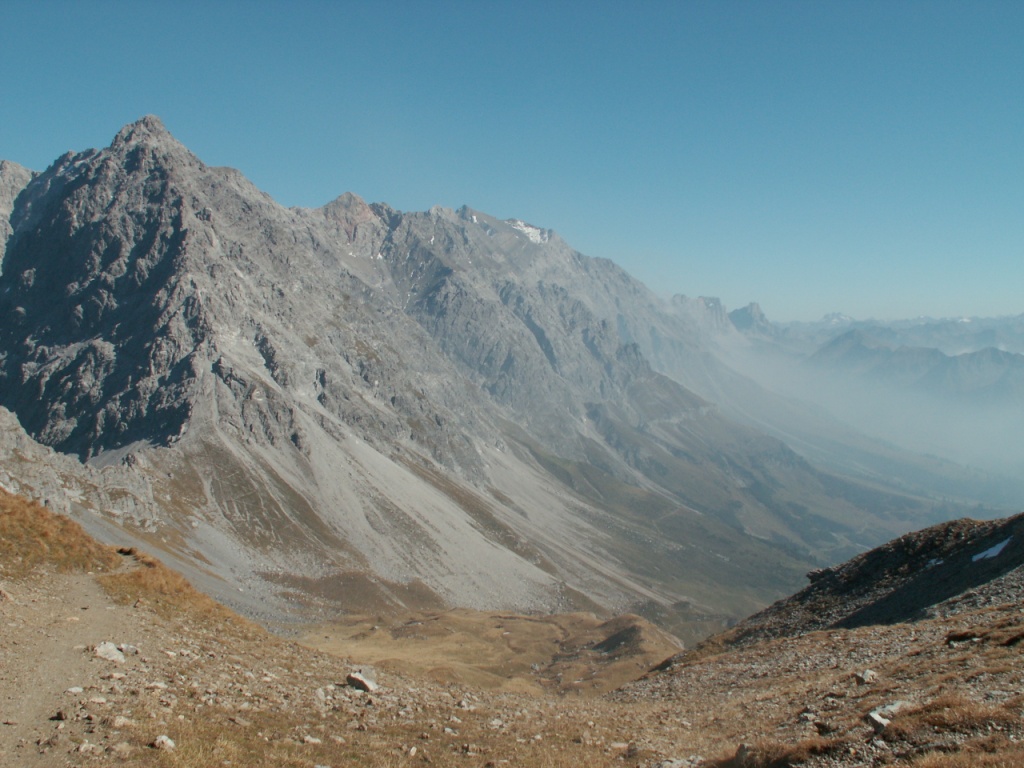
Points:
[(967, 408)]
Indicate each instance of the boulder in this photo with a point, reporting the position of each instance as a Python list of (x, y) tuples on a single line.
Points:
[(107, 650), (362, 680)]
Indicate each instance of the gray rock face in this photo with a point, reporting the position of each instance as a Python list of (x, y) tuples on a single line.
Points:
[(86, 369), (375, 406), (13, 179)]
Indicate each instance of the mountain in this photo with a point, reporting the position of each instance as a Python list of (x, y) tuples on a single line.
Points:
[(950, 568), (320, 410), (951, 336), (752, 321), (991, 374), (956, 400)]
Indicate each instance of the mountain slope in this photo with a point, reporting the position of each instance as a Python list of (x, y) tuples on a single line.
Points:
[(948, 568), (441, 408), (907, 654)]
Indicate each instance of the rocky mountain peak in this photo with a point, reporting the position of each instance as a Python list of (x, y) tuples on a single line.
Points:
[(707, 313), (350, 214), (102, 322), (146, 147), (148, 129), (748, 317), (13, 178), (751, 320)]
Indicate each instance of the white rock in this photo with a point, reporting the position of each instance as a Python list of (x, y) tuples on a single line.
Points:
[(880, 723), (880, 716), (163, 742), (362, 681), (107, 650), (866, 677)]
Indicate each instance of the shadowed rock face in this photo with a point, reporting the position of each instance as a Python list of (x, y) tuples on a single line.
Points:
[(440, 399), (939, 571), (102, 330)]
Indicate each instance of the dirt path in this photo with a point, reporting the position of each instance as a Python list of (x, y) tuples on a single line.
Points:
[(47, 629)]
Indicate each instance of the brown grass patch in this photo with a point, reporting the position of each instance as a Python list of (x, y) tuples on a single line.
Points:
[(575, 653), (996, 753), (951, 712), (33, 537), (774, 754), (147, 581)]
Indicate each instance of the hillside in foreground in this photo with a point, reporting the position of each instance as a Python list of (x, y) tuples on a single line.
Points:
[(944, 684)]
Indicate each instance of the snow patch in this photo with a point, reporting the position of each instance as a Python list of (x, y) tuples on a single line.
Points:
[(534, 234), (992, 551)]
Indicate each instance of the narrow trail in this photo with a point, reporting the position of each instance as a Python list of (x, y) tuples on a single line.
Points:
[(47, 629)]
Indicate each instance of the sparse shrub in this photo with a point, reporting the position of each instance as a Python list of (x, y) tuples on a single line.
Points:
[(1006, 754)]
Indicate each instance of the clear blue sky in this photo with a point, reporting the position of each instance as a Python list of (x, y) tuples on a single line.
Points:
[(863, 157)]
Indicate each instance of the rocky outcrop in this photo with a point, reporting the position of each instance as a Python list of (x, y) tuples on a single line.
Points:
[(751, 320), (13, 179), (937, 572)]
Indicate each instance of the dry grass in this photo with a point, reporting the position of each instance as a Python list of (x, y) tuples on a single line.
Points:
[(996, 753), (955, 712), (574, 653), (774, 754), (268, 740), (33, 537), (145, 580), (752, 694)]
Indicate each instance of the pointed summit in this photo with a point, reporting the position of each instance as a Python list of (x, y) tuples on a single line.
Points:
[(146, 128), (156, 143), (751, 320)]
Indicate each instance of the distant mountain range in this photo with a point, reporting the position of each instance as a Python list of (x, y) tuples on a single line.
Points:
[(990, 373), (319, 410), (951, 388)]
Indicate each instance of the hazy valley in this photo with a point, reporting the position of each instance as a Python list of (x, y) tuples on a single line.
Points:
[(947, 388)]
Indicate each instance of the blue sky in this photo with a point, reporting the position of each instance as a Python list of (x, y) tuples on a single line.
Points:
[(861, 157)]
